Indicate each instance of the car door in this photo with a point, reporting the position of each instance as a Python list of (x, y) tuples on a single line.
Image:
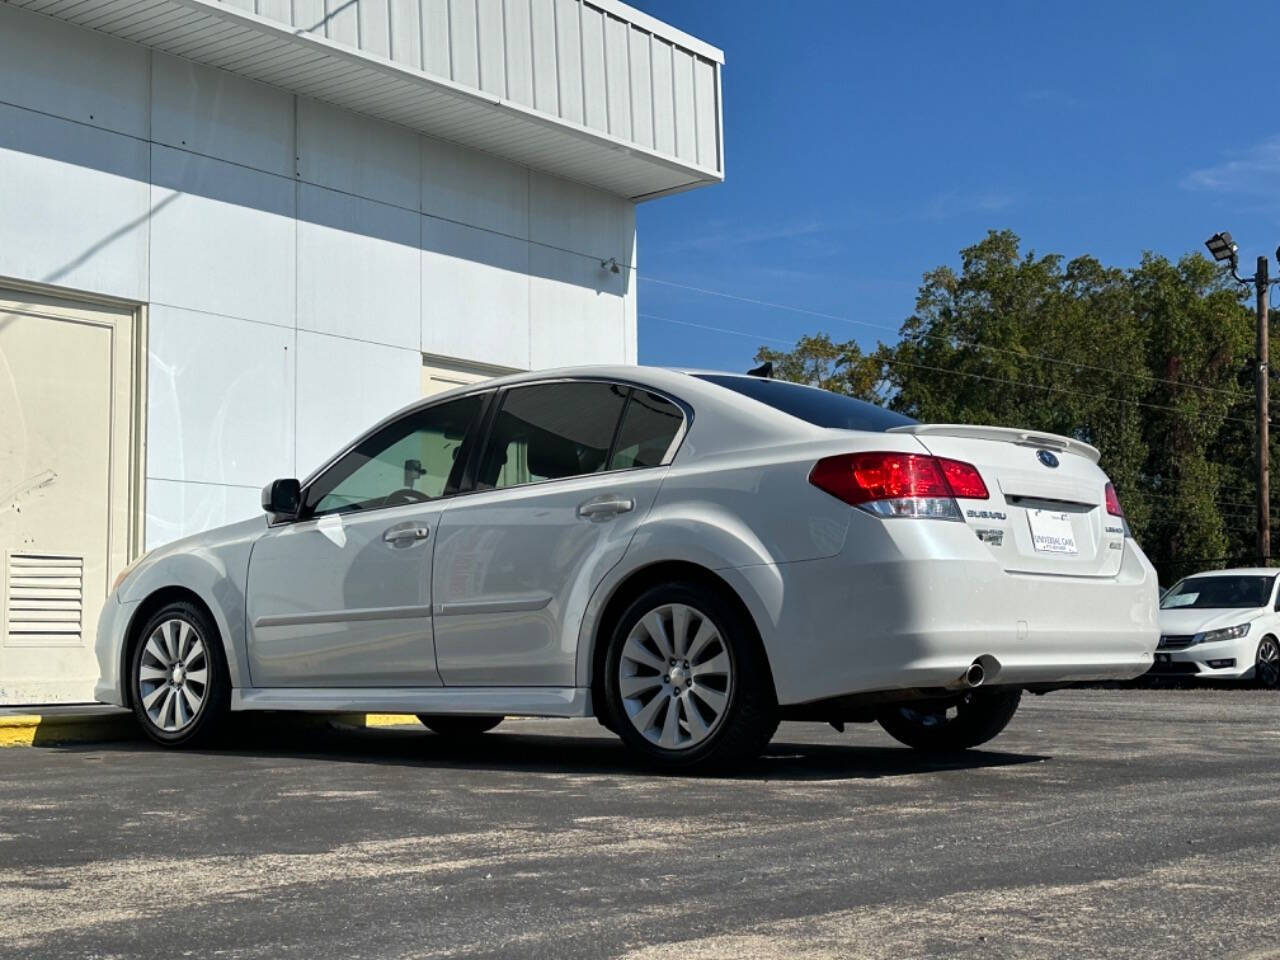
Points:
[(341, 597), (567, 472)]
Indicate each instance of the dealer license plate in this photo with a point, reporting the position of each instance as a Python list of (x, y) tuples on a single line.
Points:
[(1051, 532)]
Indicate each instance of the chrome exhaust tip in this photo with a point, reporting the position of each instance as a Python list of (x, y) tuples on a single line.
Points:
[(974, 676)]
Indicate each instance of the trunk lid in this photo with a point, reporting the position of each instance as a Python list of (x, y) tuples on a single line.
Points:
[(1046, 511)]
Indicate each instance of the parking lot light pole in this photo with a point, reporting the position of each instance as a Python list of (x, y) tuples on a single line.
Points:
[(1222, 247)]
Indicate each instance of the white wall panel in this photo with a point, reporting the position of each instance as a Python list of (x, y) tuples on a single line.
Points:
[(219, 398), (708, 120), (309, 16), (406, 32), (664, 113), (641, 88), (344, 388), (492, 47), (594, 92), (618, 76), (464, 51), (71, 72), (475, 294), (574, 217), (474, 188), (569, 58), (281, 10), (375, 27), (73, 205), (436, 57), (219, 114), (222, 238), (682, 87), (546, 82), (357, 268), (342, 23), (519, 51), (346, 151), (575, 310), (176, 509)]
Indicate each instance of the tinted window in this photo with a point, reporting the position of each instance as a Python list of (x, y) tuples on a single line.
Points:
[(649, 425), (551, 430), (411, 460), (822, 408), (1217, 593)]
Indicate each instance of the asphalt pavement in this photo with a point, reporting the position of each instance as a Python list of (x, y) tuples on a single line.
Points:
[(1119, 823)]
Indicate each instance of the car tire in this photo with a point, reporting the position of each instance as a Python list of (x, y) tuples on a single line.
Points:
[(458, 726), (979, 716), (179, 686), (686, 683), (1266, 670)]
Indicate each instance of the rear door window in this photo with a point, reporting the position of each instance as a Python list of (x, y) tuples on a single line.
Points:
[(649, 426), (549, 431)]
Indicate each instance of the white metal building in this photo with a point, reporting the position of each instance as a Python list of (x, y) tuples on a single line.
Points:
[(233, 234)]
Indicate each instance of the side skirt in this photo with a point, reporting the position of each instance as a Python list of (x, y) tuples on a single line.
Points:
[(505, 701)]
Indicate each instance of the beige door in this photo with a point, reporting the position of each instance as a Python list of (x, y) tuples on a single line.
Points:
[(444, 373), (69, 487)]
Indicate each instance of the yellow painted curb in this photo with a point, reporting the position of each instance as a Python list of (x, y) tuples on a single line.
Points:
[(35, 730), (389, 719)]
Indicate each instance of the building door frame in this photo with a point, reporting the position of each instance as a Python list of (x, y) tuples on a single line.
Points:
[(126, 323)]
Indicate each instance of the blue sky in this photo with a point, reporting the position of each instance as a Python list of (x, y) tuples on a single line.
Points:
[(866, 143)]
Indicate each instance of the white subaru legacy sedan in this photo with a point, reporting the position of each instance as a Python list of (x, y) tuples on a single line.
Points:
[(1222, 624), (689, 557)]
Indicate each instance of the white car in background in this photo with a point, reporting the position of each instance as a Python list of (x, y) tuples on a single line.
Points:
[(1222, 624), (690, 557)]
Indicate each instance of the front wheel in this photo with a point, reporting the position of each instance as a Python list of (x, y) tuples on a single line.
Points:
[(458, 726), (1266, 670), (178, 678), (978, 716), (686, 682)]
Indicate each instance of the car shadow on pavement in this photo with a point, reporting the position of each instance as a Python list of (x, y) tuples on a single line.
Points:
[(514, 750)]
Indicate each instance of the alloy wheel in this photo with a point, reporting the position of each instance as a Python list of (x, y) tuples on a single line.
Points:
[(675, 676), (1267, 669), (173, 675)]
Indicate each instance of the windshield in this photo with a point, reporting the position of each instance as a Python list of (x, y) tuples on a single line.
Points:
[(1219, 593), (822, 408)]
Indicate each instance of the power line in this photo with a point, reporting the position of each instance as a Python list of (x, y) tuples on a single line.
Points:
[(972, 344), (704, 326), (1063, 390)]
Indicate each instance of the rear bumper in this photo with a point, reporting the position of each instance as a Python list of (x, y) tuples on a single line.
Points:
[(916, 608)]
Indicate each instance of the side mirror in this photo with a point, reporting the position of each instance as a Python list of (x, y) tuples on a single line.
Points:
[(282, 499)]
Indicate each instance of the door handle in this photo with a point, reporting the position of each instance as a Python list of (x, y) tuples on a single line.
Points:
[(408, 532), (605, 507)]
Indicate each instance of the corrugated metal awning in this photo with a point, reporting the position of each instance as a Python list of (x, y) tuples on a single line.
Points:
[(272, 52)]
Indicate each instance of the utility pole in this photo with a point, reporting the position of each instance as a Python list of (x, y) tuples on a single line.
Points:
[(1224, 248), (1263, 285)]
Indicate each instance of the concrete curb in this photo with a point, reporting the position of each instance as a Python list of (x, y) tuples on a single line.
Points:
[(56, 728)]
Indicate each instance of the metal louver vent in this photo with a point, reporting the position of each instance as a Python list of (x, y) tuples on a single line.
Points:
[(45, 599)]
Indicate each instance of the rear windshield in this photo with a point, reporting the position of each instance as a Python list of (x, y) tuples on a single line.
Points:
[(1219, 593), (822, 408)]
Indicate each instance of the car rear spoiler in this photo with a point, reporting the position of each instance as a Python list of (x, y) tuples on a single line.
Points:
[(1027, 438)]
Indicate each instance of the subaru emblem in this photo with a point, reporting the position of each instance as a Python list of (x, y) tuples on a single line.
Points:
[(1046, 457)]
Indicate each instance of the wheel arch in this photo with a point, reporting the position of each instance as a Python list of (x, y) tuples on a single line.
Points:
[(157, 600), (614, 602)]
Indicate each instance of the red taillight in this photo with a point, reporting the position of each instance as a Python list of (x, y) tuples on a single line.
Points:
[(1113, 502), (875, 478), (964, 479)]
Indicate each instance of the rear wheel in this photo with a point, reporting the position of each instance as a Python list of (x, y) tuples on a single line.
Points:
[(978, 716), (1267, 666), (448, 725), (178, 677), (686, 683)]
